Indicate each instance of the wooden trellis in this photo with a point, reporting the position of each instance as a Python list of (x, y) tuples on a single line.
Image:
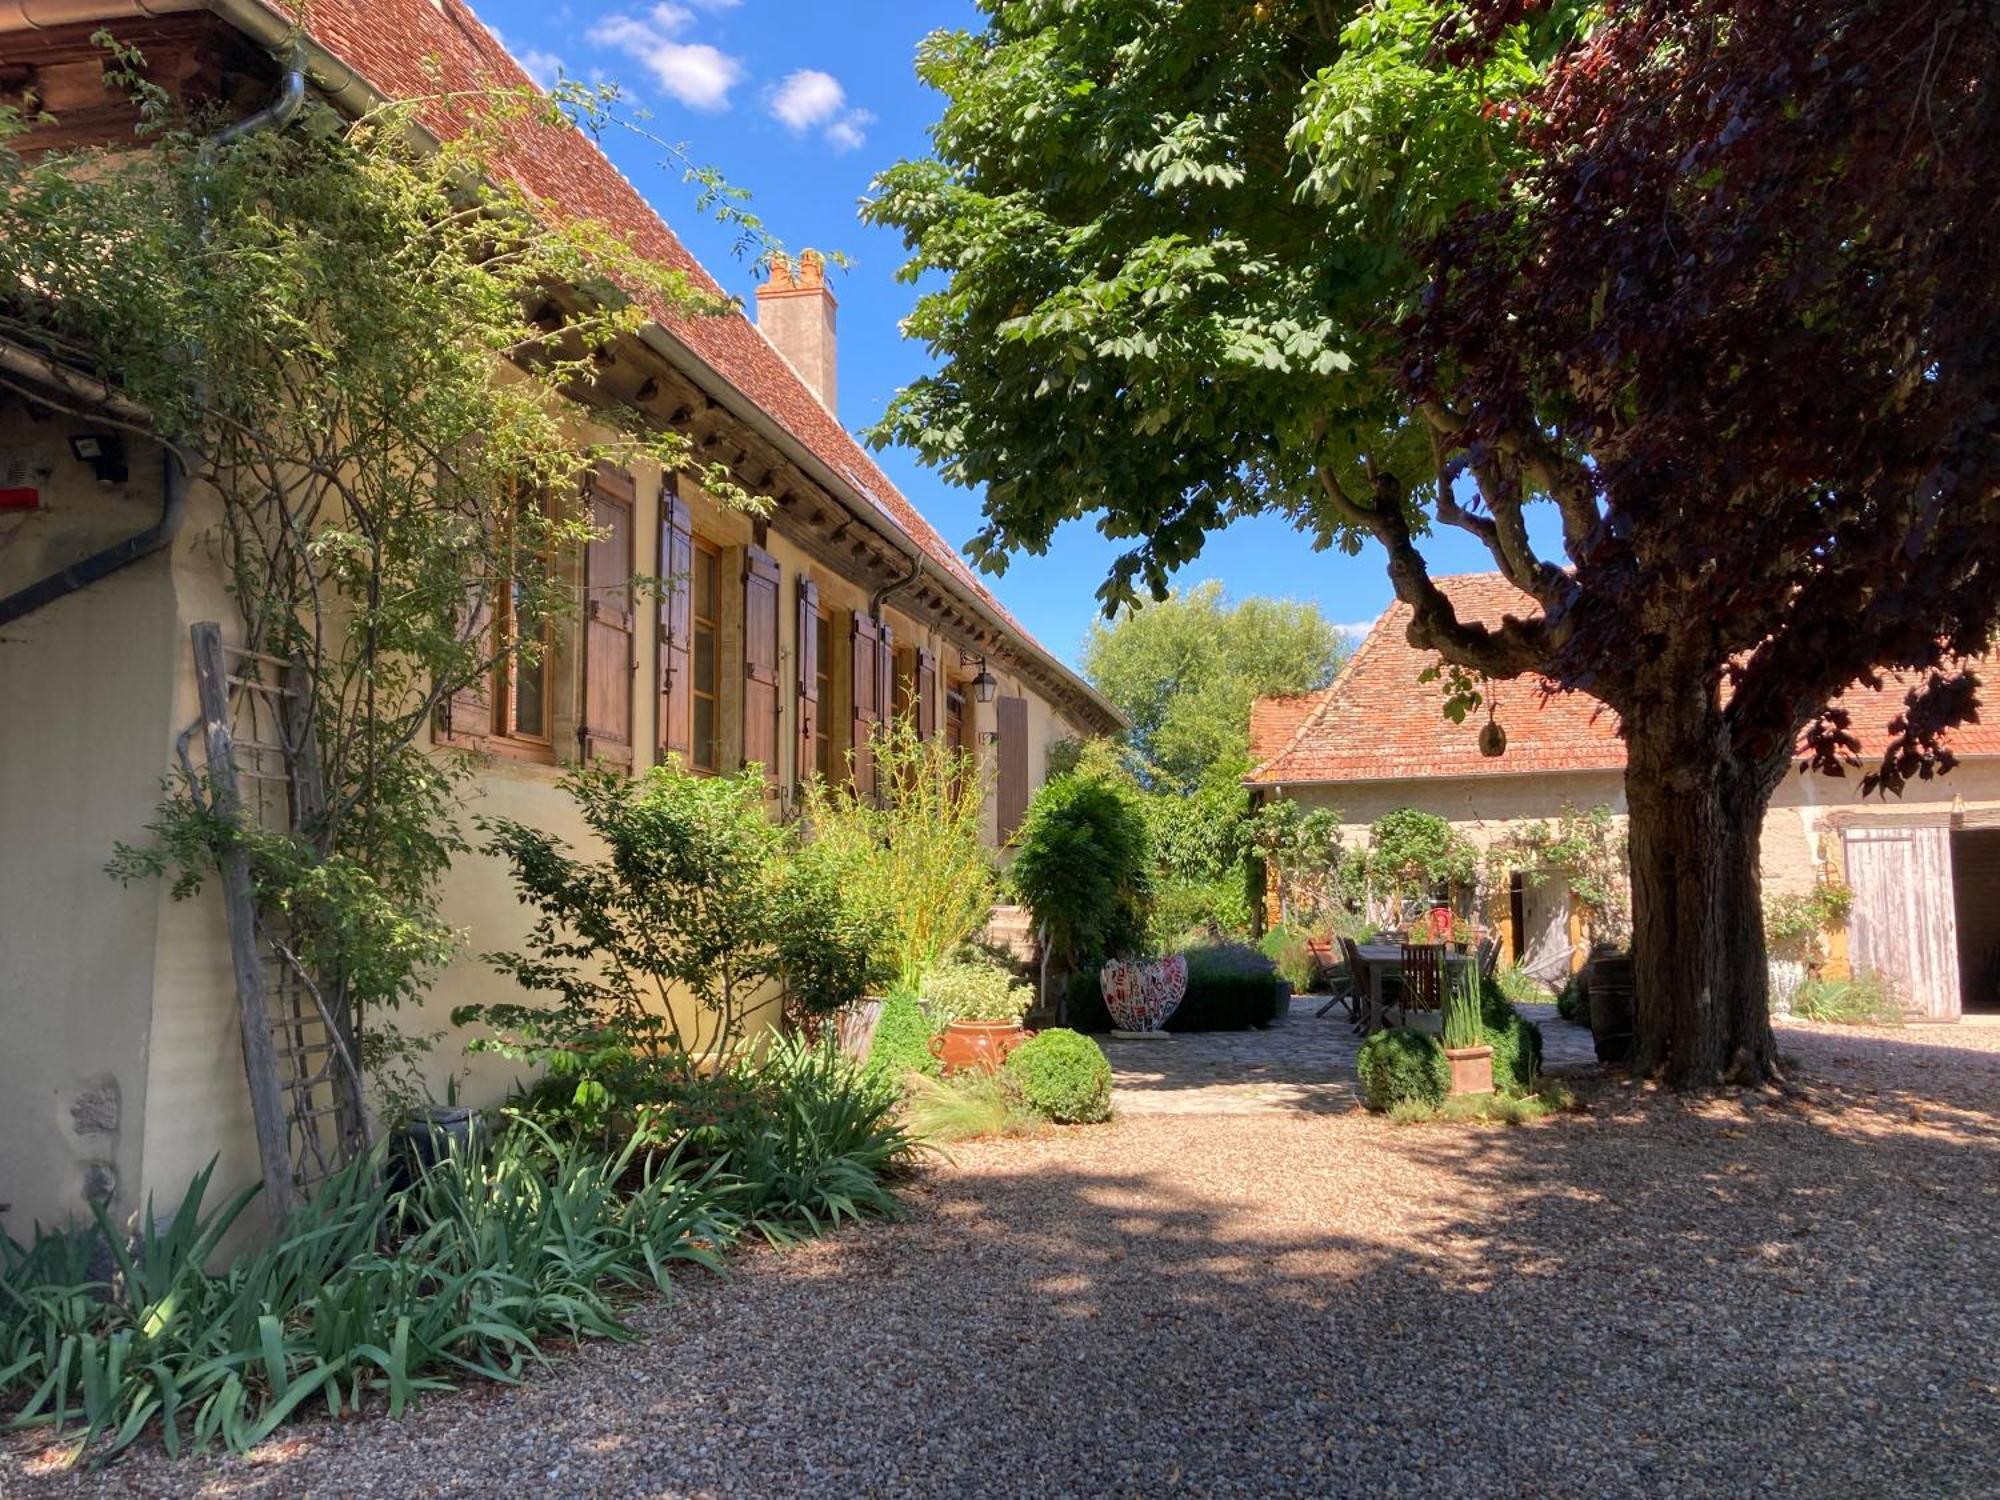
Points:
[(261, 770)]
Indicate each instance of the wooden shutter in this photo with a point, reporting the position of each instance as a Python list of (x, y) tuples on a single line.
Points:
[(924, 695), (761, 703), (676, 625), (1010, 719), (808, 684), (867, 685), (604, 727), (468, 713)]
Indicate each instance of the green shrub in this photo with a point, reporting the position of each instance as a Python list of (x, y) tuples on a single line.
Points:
[(902, 1041), (1062, 1076), (1403, 1067), (1231, 986), (1516, 1042), (1860, 1001), (961, 990), (1286, 947), (1201, 909), (911, 858), (370, 1295), (1573, 1001), (1082, 866)]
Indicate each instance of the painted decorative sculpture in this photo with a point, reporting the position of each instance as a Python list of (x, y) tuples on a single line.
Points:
[(1142, 993)]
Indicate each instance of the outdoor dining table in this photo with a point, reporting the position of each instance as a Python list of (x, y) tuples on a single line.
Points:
[(1383, 961)]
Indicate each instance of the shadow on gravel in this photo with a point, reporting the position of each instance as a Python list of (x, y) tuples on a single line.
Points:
[(1774, 1295)]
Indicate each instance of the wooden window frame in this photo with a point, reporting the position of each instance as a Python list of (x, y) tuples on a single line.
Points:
[(825, 661), (500, 735)]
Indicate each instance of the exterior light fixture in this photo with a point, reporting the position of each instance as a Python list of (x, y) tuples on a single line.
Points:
[(985, 685)]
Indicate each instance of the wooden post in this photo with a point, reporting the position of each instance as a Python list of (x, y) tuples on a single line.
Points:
[(260, 1062)]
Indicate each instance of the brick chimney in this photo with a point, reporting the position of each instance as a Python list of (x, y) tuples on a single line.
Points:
[(795, 310)]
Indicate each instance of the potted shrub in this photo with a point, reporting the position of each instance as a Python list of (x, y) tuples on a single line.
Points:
[(979, 1009), (1465, 1045)]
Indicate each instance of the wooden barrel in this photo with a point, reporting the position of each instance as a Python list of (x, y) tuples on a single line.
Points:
[(1609, 977)]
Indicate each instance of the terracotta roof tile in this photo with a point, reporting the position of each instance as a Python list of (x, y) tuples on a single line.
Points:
[(1379, 723), (411, 49), (1273, 721)]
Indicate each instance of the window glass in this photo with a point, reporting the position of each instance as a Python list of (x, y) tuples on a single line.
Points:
[(706, 658)]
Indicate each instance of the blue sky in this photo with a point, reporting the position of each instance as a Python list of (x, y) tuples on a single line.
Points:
[(802, 104)]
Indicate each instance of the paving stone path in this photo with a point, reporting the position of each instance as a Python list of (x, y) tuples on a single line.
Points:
[(1303, 1064)]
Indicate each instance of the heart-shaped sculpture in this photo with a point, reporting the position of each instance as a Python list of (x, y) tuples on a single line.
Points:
[(1142, 993)]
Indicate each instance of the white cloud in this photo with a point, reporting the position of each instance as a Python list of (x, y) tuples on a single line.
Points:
[(544, 67), (697, 74), (807, 98), (811, 100), (1358, 629)]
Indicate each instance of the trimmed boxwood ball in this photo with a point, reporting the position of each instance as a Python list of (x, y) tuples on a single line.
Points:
[(1063, 1076), (1403, 1067), (902, 1041)]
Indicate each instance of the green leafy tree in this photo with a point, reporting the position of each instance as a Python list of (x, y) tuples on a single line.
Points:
[(342, 335), (1186, 670), (1083, 867), (1675, 285)]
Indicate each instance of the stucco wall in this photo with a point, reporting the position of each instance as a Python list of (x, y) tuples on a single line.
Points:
[(86, 733)]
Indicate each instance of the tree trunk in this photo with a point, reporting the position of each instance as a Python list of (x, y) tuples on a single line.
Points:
[(1699, 970)]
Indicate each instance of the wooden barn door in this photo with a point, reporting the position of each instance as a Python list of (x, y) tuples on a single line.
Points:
[(1902, 926)]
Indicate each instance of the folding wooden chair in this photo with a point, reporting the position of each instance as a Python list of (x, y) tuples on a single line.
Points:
[(1423, 978)]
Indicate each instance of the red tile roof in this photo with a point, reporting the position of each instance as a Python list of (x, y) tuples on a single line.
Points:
[(1273, 721), (413, 49), (1377, 722)]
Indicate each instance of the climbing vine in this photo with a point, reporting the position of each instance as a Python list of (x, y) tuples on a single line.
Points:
[(1585, 849), (342, 331)]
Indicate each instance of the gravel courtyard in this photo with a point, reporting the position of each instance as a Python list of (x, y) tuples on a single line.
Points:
[(1775, 1296)]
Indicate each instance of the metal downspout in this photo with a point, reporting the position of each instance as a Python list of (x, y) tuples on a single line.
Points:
[(279, 113), (895, 586)]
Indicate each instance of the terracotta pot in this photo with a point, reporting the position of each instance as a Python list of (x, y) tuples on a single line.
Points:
[(977, 1044), (1471, 1069)]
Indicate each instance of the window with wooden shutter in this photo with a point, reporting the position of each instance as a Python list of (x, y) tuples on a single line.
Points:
[(809, 753), (1010, 720), (604, 730), (705, 655), (761, 702), (924, 694), (676, 625), (865, 665)]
